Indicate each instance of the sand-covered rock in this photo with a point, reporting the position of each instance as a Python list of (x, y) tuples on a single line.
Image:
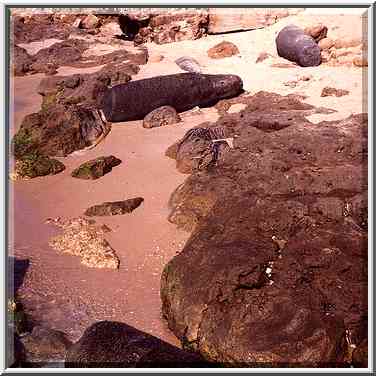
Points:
[(114, 208), (96, 168), (270, 222), (115, 344), (317, 32), (223, 49), (161, 116), (81, 237)]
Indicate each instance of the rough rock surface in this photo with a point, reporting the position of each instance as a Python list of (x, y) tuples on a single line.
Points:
[(58, 131), (108, 344), (81, 237), (96, 168), (20, 61), (44, 345), (360, 355), (331, 91), (87, 88), (114, 208), (275, 270), (317, 32), (225, 20), (223, 49), (164, 115), (34, 164)]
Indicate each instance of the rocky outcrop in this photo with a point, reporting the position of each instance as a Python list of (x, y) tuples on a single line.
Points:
[(108, 344), (223, 49), (161, 116), (114, 208), (223, 20), (96, 168), (275, 271), (170, 27)]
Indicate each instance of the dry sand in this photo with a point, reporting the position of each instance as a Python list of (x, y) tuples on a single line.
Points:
[(68, 296)]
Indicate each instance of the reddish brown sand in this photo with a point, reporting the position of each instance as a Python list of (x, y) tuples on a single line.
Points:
[(65, 295)]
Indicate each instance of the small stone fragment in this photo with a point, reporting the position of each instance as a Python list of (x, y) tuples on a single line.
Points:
[(263, 56), (331, 91), (360, 61), (223, 49), (114, 208)]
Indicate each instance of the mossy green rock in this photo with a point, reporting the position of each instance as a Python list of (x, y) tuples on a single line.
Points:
[(96, 168), (114, 208), (33, 165)]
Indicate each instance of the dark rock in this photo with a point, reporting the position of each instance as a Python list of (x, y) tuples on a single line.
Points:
[(45, 345), (96, 168), (20, 61), (294, 45), (331, 91), (164, 115), (184, 91), (223, 49), (16, 354), (115, 344), (33, 165), (114, 208), (61, 53), (276, 267), (360, 355), (58, 131), (317, 32), (88, 89)]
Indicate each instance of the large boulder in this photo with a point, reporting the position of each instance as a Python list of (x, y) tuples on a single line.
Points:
[(259, 283), (58, 131), (114, 344)]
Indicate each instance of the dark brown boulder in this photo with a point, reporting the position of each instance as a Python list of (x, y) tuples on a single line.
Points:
[(108, 344), (58, 131), (275, 270), (96, 168), (114, 208), (223, 49)]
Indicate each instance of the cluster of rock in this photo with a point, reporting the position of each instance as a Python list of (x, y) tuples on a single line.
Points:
[(340, 51), (278, 252)]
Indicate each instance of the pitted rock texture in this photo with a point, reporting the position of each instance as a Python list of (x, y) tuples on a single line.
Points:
[(107, 344), (275, 270)]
